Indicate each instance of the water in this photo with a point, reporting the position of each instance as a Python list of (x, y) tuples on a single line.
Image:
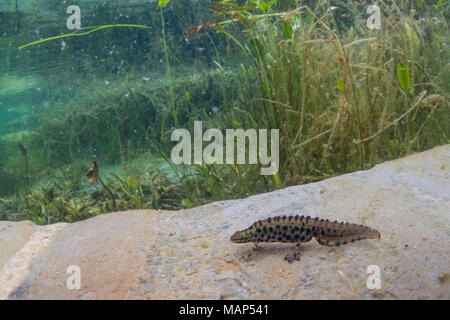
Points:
[(116, 95)]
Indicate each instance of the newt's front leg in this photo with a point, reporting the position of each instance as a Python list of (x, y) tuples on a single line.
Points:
[(254, 249), (294, 256)]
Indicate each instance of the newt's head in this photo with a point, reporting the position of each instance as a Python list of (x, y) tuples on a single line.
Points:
[(242, 236)]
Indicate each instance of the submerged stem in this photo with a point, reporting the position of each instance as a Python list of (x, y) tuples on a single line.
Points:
[(109, 191), (175, 117)]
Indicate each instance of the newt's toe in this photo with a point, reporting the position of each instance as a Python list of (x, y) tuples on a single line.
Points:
[(292, 256)]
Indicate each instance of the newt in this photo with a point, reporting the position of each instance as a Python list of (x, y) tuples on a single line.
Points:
[(298, 229)]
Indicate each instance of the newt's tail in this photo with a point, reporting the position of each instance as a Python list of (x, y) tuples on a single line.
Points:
[(335, 233)]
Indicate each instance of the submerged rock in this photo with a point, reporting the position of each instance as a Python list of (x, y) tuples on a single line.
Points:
[(187, 254)]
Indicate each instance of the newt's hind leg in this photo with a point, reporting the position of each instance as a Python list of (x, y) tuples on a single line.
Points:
[(290, 257)]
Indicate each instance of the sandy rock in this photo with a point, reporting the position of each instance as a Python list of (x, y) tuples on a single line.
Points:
[(15, 235), (187, 254)]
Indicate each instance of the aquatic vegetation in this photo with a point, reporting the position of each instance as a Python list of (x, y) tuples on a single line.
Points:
[(343, 97), (162, 4), (84, 31), (74, 201), (24, 152), (94, 176), (296, 60), (403, 76)]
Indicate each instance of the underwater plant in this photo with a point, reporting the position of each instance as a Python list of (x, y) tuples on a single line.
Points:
[(162, 4), (403, 76), (24, 151), (332, 92), (86, 30)]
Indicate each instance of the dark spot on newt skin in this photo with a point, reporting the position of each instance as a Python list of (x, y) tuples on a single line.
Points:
[(278, 226), (302, 229), (296, 228), (285, 228), (302, 238), (288, 237), (258, 230), (308, 231), (265, 229), (270, 229)]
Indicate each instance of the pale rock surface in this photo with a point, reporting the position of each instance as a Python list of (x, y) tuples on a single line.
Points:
[(187, 254)]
